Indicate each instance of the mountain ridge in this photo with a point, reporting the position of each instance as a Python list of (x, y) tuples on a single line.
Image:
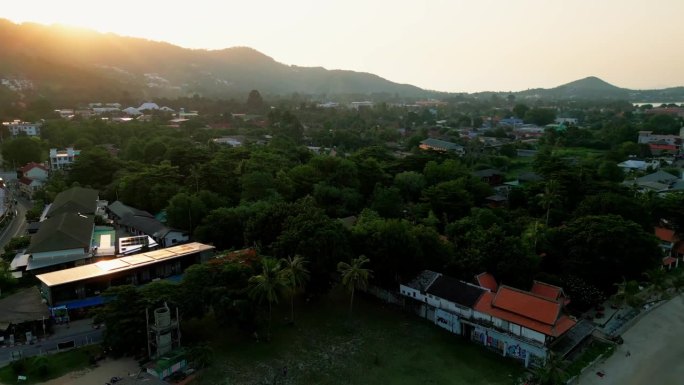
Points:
[(83, 63)]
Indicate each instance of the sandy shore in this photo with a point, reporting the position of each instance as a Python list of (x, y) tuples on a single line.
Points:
[(652, 353), (99, 375)]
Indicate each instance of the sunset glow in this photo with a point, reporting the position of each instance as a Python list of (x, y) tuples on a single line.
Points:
[(443, 45)]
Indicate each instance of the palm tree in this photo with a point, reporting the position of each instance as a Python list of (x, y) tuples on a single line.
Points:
[(267, 286), (354, 276), (295, 275), (550, 197), (195, 175)]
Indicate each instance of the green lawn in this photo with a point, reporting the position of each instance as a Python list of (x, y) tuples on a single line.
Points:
[(381, 345), (588, 356), (57, 365), (580, 152)]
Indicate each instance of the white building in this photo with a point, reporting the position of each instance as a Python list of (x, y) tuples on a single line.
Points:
[(63, 159), (148, 106), (17, 128), (515, 323), (358, 105), (572, 121)]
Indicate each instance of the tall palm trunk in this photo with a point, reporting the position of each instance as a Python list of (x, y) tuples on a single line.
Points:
[(548, 212), (292, 309), (351, 302), (268, 333)]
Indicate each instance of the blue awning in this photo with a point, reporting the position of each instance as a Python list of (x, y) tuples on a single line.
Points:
[(81, 303)]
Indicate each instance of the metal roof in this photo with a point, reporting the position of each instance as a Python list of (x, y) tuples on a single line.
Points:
[(111, 266)]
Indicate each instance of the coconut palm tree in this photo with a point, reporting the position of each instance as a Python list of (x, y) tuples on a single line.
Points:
[(267, 286), (550, 197), (295, 275), (354, 276)]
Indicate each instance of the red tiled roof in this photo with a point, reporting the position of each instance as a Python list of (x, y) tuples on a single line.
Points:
[(546, 290), (665, 234), (487, 281), (559, 325), (527, 305), (26, 181), (668, 261), (31, 165), (668, 147)]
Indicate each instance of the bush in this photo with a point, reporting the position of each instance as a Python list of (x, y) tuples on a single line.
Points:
[(19, 367), (40, 366)]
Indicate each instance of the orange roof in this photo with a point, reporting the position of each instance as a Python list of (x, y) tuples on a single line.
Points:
[(546, 290), (665, 234), (557, 327), (527, 305), (487, 281)]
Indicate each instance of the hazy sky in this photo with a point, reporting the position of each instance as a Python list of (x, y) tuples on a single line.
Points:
[(447, 45)]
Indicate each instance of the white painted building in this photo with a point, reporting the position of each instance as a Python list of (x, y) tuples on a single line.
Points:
[(63, 159), (23, 128), (515, 323)]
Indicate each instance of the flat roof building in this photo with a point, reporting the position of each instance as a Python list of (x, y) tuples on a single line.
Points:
[(81, 286)]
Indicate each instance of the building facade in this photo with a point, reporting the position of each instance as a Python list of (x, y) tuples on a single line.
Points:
[(515, 323), (17, 128), (63, 159), (82, 286)]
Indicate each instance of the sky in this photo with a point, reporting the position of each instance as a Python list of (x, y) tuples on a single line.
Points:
[(445, 45)]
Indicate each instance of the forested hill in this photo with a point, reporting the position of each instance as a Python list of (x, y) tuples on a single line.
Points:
[(69, 60), (593, 88)]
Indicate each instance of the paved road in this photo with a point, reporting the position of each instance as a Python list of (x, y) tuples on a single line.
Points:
[(651, 354), (18, 224), (81, 335)]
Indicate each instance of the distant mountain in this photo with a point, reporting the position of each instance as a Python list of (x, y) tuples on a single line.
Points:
[(593, 88), (62, 60), (73, 64)]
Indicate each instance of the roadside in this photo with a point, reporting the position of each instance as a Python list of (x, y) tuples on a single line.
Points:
[(81, 333), (651, 352), (101, 374)]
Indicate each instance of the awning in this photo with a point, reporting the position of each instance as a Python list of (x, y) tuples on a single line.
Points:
[(81, 303)]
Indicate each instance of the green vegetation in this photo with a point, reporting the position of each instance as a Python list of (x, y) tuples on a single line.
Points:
[(382, 345), (588, 356), (42, 368)]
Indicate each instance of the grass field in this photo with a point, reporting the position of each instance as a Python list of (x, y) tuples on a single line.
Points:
[(380, 345), (56, 366)]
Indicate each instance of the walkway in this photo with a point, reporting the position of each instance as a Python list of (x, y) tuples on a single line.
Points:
[(80, 332), (655, 350)]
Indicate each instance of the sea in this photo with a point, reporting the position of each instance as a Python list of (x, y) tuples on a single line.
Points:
[(657, 104)]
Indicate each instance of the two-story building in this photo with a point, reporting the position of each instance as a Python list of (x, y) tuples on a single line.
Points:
[(672, 246), (65, 237), (515, 323), (82, 286), (139, 222), (31, 177), (63, 159), (17, 128)]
